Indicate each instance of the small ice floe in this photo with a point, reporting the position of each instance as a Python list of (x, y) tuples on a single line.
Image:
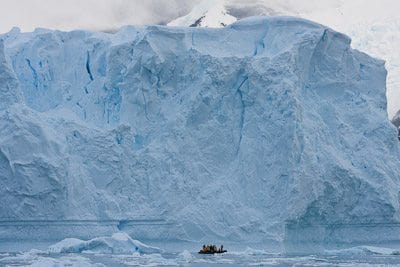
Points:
[(71, 261), (365, 250), (118, 243), (250, 251), (37, 258), (137, 259), (380, 250), (186, 256)]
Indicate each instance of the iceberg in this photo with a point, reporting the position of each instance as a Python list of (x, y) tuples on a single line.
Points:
[(270, 130)]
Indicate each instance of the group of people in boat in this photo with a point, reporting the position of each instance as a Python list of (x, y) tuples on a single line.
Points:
[(212, 249)]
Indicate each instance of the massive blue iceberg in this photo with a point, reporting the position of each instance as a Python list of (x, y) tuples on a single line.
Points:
[(270, 130)]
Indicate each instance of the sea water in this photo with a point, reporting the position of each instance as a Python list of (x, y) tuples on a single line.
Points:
[(356, 256)]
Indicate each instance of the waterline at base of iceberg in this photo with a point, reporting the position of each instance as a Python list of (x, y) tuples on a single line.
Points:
[(184, 254)]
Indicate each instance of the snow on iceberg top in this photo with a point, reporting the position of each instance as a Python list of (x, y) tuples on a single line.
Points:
[(238, 39)]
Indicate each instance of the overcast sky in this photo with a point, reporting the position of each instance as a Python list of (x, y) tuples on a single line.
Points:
[(111, 14), (87, 14)]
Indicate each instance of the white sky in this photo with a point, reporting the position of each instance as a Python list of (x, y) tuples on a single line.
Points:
[(109, 14), (87, 14)]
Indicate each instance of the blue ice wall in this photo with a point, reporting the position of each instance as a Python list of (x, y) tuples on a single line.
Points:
[(269, 130)]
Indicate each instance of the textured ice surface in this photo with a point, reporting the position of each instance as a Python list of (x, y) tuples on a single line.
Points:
[(36, 258), (268, 130), (373, 27), (9, 88)]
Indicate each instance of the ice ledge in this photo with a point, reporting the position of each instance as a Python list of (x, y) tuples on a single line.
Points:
[(306, 239), (54, 230)]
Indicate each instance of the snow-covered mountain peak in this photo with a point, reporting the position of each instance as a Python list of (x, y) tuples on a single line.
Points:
[(208, 13)]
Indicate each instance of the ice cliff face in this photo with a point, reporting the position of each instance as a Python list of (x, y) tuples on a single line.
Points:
[(374, 28), (271, 129), (396, 119), (9, 88)]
